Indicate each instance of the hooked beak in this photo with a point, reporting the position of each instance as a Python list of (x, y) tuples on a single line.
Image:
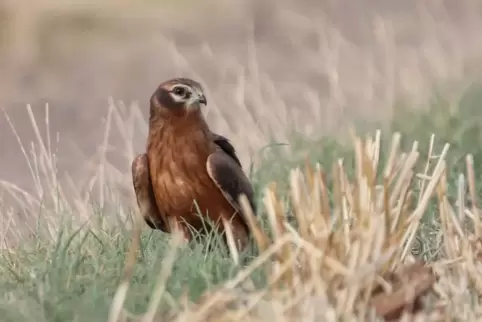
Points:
[(202, 100)]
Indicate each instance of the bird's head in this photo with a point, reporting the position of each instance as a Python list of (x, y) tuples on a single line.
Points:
[(177, 96)]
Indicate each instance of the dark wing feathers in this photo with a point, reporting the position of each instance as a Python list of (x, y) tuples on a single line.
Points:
[(226, 146), (229, 177)]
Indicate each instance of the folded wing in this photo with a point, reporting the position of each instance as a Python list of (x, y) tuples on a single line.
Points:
[(144, 193), (225, 170)]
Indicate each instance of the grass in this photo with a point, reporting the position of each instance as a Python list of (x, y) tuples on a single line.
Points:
[(406, 202), (75, 277)]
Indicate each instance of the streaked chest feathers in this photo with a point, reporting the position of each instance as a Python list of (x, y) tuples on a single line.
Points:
[(180, 175)]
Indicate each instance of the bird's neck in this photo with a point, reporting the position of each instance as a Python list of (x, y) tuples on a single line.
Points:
[(180, 123), (172, 130)]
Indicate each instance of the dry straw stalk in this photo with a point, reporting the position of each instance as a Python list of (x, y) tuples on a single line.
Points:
[(348, 259)]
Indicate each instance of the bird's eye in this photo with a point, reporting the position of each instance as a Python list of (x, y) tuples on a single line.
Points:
[(180, 91)]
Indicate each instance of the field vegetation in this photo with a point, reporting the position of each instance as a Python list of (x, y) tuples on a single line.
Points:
[(374, 216)]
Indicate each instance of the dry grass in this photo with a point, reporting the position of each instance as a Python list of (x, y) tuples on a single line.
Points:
[(338, 263), (343, 237), (269, 68)]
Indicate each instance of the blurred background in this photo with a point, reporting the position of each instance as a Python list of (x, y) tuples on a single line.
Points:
[(269, 67)]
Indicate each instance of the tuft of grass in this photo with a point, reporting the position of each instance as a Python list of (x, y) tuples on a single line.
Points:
[(338, 219), (325, 262), (76, 276)]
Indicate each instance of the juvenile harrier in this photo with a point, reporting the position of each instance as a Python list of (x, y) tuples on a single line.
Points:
[(186, 162)]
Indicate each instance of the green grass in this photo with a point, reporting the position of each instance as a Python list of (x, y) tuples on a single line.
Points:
[(75, 276)]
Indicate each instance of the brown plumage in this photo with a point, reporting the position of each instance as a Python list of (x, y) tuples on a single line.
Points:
[(186, 162)]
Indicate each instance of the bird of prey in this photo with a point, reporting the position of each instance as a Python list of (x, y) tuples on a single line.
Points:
[(187, 168)]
